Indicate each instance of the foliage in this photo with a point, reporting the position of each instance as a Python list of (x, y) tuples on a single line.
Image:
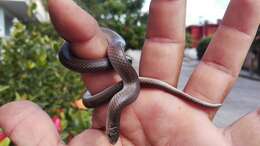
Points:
[(45, 3), (124, 16), (30, 70), (255, 47), (188, 40), (5, 142), (202, 47), (256, 43)]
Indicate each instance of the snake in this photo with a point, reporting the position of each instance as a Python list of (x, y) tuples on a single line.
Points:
[(124, 92)]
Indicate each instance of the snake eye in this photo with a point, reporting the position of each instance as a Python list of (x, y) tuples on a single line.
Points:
[(130, 59)]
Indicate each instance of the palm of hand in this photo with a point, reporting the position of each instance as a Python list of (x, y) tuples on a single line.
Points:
[(173, 122)]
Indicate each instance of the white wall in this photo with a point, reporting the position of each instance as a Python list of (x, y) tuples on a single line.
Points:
[(41, 13), (17, 8), (2, 22)]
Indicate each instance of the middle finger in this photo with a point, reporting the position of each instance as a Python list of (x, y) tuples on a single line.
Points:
[(163, 49)]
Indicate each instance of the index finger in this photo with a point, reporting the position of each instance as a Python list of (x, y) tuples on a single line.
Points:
[(83, 32)]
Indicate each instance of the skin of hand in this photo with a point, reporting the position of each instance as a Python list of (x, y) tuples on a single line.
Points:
[(156, 118)]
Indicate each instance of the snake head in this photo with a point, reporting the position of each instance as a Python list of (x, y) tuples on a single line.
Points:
[(113, 135), (114, 39), (118, 43)]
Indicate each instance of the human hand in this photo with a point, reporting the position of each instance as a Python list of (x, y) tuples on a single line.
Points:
[(156, 117)]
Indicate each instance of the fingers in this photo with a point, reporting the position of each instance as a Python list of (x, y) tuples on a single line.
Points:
[(221, 64), (163, 49), (245, 131), (26, 124), (82, 31)]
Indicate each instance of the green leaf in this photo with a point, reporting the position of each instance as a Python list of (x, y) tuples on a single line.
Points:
[(31, 65), (42, 58), (3, 88), (5, 142), (32, 9), (17, 96)]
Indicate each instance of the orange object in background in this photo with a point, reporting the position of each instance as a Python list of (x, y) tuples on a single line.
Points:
[(79, 104), (200, 31)]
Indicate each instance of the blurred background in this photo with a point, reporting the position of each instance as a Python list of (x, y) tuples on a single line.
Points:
[(30, 70)]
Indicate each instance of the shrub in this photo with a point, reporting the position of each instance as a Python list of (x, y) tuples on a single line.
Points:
[(188, 40), (202, 47), (30, 70)]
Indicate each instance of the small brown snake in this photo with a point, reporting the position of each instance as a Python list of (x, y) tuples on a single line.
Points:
[(123, 93)]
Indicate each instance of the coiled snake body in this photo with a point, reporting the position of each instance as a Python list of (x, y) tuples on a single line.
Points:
[(124, 92)]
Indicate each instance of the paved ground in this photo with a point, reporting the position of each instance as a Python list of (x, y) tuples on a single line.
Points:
[(244, 97)]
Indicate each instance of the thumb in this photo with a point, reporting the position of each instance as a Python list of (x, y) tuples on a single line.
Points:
[(28, 125)]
